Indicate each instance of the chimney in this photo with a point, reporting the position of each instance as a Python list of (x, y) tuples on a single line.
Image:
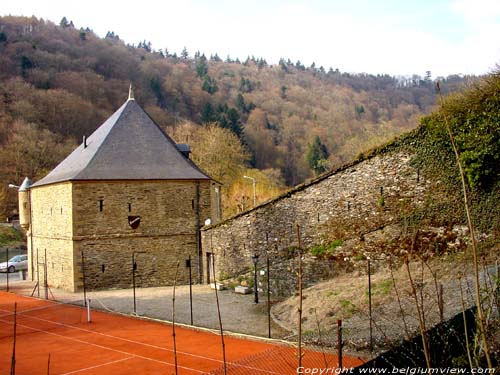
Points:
[(183, 149)]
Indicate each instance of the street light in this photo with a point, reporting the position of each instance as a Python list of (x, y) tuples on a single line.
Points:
[(134, 268), (254, 194), (255, 259), (12, 186)]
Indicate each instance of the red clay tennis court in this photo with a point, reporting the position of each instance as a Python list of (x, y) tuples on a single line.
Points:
[(116, 344)]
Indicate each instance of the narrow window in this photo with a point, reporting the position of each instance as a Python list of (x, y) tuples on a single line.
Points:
[(100, 204), (129, 207), (192, 204), (61, 210)]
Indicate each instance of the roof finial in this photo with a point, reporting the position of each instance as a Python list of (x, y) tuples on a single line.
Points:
[(130, 93)]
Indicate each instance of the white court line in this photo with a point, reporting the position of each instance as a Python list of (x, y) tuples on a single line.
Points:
[(104, 347), (97, 366), (143, 344)]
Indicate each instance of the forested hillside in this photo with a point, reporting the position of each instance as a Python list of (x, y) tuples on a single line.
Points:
[(279, 123)]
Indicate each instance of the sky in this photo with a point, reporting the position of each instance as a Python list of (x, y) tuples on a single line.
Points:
[(396, 37)]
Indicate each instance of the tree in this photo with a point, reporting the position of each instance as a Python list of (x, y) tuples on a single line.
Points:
[(207, 113), (240, 103), (64, 22), (317, 156), (30, 151), (201, 66), (3, 203), (185, 53), (209, 85), (215, 150), (261, 140), (83, 35)]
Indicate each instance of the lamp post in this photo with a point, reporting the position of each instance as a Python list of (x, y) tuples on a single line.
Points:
[(134, 268), (254, 193), (255, 260)]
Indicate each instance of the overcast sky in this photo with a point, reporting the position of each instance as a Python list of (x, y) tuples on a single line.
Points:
[(398, 37)]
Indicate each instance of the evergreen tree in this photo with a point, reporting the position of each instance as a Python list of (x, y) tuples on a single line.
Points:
[(207, 113), (240, 103), (184, 53), (201, 66), (317, 156), (209, 85), (64, 22)]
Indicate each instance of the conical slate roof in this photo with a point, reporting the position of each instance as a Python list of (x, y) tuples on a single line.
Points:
[(128, 146)]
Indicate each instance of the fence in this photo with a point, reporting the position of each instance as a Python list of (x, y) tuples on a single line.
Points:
[(381, 315)]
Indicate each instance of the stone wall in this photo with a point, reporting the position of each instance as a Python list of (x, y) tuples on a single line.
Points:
[(347, 205), (108, 262), (93, 220), (165, 207), (52, 229)]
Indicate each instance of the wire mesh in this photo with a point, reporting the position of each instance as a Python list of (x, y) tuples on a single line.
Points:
[(281, 359)]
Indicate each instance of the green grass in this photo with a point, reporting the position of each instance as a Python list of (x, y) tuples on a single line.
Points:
[(9, 236), (324, 250), (382, 288), (332, 293), (348, 307)]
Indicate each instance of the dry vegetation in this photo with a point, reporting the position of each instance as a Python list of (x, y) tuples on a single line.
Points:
[(59, 83)]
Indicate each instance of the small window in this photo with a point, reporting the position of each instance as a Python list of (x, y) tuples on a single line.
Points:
[(25, 205), (129, 207), (101, 204), (192, 204)]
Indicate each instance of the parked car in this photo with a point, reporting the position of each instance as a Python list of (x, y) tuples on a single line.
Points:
[(16, 263)]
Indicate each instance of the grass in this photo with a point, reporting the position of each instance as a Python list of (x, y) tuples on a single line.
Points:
[(327, 249), (9, 236), (382, 288)]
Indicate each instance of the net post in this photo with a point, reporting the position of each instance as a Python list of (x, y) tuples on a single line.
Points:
[(89, 318)]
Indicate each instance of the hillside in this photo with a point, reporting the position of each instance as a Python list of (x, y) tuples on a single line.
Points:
[(58, 83), (424, 257)]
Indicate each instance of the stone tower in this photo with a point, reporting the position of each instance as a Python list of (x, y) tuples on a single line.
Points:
[(127, 195)]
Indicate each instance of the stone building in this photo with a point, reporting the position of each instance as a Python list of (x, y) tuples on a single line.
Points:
[(127, 195)]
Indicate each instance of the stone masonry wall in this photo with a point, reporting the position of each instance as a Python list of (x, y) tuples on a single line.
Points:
[(99, 228), (351, 202), (166, 234), (52, 228)]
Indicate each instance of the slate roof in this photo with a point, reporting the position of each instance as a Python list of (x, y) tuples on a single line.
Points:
[(128, 146)]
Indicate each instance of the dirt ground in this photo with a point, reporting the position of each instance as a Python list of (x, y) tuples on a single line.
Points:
[(67, 343), (394, 313), (239, 313)]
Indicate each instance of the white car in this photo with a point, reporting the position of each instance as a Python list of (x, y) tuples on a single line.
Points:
[(17, 263)]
